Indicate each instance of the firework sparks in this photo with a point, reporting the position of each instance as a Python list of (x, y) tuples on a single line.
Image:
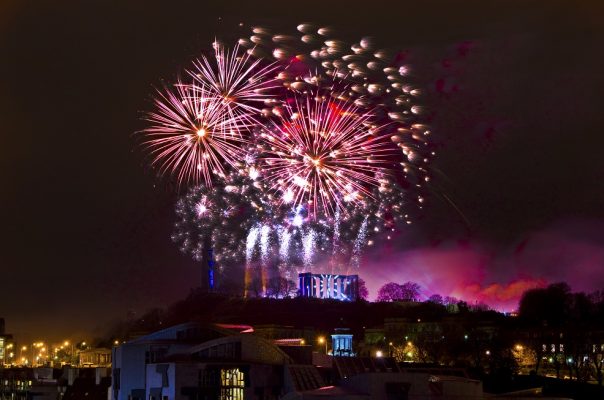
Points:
[(370, 77), (218, 217), (323, 153), (190, 137), (241, 83), (303, 159)]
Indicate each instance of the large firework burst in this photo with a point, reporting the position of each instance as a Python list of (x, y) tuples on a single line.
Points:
[(189, 135), (308, 150), (378, 79), (322, 153)]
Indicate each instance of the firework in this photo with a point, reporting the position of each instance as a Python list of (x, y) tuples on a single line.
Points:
[(323, 153), (373, 79), (199, 129), (242, 83), (219, 217), (303, 144), (190, 137)]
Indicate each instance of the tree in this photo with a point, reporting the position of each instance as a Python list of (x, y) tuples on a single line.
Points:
[(436, 299), (451, 303), (596, 358), (550, 305), (279, 287), (408, 291), (391, 291), (526, 357), (430, 343), (363, 292), (480, 307), (405, 352), (255, 287)]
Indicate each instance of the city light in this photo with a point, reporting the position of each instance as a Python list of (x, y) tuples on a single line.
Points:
[(379, 354)]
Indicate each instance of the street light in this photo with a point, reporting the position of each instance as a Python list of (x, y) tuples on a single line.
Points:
[(379, 354), (22, 349), (322, 341)]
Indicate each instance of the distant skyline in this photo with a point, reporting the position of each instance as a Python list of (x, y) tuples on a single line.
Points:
[(513, 92)]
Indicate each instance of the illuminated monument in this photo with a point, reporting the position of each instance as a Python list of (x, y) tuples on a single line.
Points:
[(341, 343), (328, 286)]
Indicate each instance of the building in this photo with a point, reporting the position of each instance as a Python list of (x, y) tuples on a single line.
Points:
[(44, 383), (341, 343), (7, 350), (370, 378), (197, 361), (234, 367), (97, 357), (328, 286)]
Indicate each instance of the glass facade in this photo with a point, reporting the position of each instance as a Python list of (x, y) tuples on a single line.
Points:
[(232, 382)]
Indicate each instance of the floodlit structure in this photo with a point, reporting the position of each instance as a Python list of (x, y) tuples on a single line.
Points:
[(329, 286), (341, 343)]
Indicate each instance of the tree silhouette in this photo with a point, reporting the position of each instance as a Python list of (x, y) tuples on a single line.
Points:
[(363, 291)]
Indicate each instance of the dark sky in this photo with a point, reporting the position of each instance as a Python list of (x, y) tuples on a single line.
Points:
[(513, 92)]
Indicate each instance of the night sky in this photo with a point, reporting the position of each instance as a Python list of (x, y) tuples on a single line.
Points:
[(513, 93)]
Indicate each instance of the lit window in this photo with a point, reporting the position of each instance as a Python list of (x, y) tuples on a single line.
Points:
[(232, 383)]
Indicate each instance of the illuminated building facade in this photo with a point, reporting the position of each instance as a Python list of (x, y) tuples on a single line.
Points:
[(329, 286), (7, 353), (341, 343), (197, 361)]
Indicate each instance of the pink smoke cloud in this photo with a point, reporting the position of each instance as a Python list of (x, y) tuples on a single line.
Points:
[(569, 251)]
